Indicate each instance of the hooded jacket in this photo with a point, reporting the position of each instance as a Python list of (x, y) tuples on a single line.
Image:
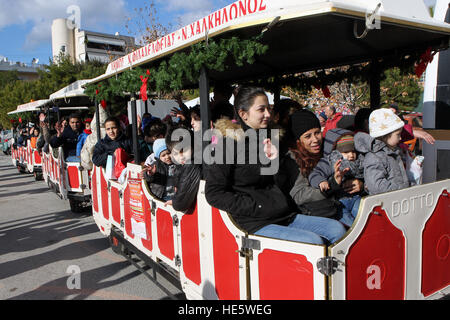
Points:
[(68, 140), (88, 148), (188, 182), (106, 147), (162, 183), (293, 183), (384, 170), (324, 171), (252, 199)]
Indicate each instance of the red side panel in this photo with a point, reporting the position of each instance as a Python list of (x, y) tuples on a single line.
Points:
[(190, 246), (115, 204), (285, 276), (127, 212), (164, 224), (436, 248), (74, 179), (375, 264), (55, 170), (226, 259), (104, 192), (148, 224), (37, 158), (94, 190)]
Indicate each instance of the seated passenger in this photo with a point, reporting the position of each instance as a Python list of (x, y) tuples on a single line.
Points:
[(114, 139), (249, 193), (153, 131), (188, 173), (67, 137), (196, 121), (88, 148), (384, 168), (23, 137), (161, 174), (340, 163), (318, 211), (82, 137), (34, 137)]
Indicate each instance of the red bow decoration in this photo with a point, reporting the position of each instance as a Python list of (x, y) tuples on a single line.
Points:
[(425, 59), (103, 102), (144, 96), (325, 90), (20, 120)]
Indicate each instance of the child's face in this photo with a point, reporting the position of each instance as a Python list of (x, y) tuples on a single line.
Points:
[(165, 157), (181, 156), (196, 122), (350, 156), (394, 139)]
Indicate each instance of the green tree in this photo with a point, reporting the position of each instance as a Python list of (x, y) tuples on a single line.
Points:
[(52, 78)]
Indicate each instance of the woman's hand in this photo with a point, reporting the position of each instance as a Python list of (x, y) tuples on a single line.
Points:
[(422, 134), (353, 186), (168, 203), (59, 129), (270, 150)]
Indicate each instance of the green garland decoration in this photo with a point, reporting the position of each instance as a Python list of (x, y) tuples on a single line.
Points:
[(184, 68), (181, 68)]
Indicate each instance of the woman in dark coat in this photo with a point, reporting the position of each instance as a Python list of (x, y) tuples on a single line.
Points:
[(113, 140), (253, 199)]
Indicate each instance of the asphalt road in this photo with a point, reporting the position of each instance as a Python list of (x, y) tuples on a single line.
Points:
[(49, 253)]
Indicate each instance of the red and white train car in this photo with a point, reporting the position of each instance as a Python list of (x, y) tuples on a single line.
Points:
[(26, 158), (398, 246)]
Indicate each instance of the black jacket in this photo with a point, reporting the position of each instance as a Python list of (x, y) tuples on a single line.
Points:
[(163, 181), (106, 147), (252, 199), (68, 140), (188, 176)]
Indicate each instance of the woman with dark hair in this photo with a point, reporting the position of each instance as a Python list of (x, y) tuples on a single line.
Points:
[(296, 167), (113, 140), (254, 201)]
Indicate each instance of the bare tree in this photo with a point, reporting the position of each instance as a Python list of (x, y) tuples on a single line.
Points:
[(145, 26)]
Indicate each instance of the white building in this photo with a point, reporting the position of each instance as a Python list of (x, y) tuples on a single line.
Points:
[(82, 45), (25, 71)]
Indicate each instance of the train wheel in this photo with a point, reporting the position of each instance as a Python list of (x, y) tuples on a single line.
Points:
[(116, 246), (38, 176), (76, 206)]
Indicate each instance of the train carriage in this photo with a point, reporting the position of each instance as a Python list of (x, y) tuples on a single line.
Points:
[(68, 178), (26, 158), (398, 246)]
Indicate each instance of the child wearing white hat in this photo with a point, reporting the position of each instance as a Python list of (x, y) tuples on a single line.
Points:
[(384, 160)]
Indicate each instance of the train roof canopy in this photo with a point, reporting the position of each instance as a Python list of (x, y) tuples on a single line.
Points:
[(72, 95), (306, 34), (30, 106)]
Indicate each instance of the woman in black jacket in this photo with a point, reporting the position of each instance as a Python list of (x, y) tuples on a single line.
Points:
[(113, 140), (254, 201)]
